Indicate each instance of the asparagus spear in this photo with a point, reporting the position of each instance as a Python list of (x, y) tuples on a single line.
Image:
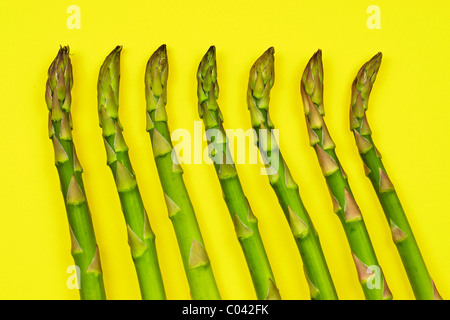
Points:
[(344, 204), (193, 253), (315, 267), (140, 235), (245, 223), (84, 246), (402, 235)]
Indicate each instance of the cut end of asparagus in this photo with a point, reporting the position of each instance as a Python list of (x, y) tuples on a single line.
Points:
[(207, 86), (261, 79)]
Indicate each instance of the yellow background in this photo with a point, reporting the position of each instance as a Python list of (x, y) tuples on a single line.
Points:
[(409, 113)]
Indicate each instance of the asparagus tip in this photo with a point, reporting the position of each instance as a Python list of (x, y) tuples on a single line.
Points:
[(262, 74), (208, 60), (317, 55), (212, 49), (160, 52), (208, 89), (115, 53), (61, 59), (370, 68), (158, 59), (64, 48), (376, 59), (59, 83), (156, 73), (361, 88), (311, 87), (108, 89), (266, 60)]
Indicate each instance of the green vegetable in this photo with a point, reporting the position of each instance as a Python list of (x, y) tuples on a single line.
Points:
[(245, 223), (402, 235), (316, 270), (140, 235), (84, 246), (344, 204), (193, 253)]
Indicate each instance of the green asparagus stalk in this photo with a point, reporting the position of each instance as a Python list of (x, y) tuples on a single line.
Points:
[(402, 235), (181, 212), (344, 205), (84, 246), (245, 223), (315, 267), (140, 235)]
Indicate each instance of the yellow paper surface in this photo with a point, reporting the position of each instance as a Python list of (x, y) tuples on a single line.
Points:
[(409, 113)]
